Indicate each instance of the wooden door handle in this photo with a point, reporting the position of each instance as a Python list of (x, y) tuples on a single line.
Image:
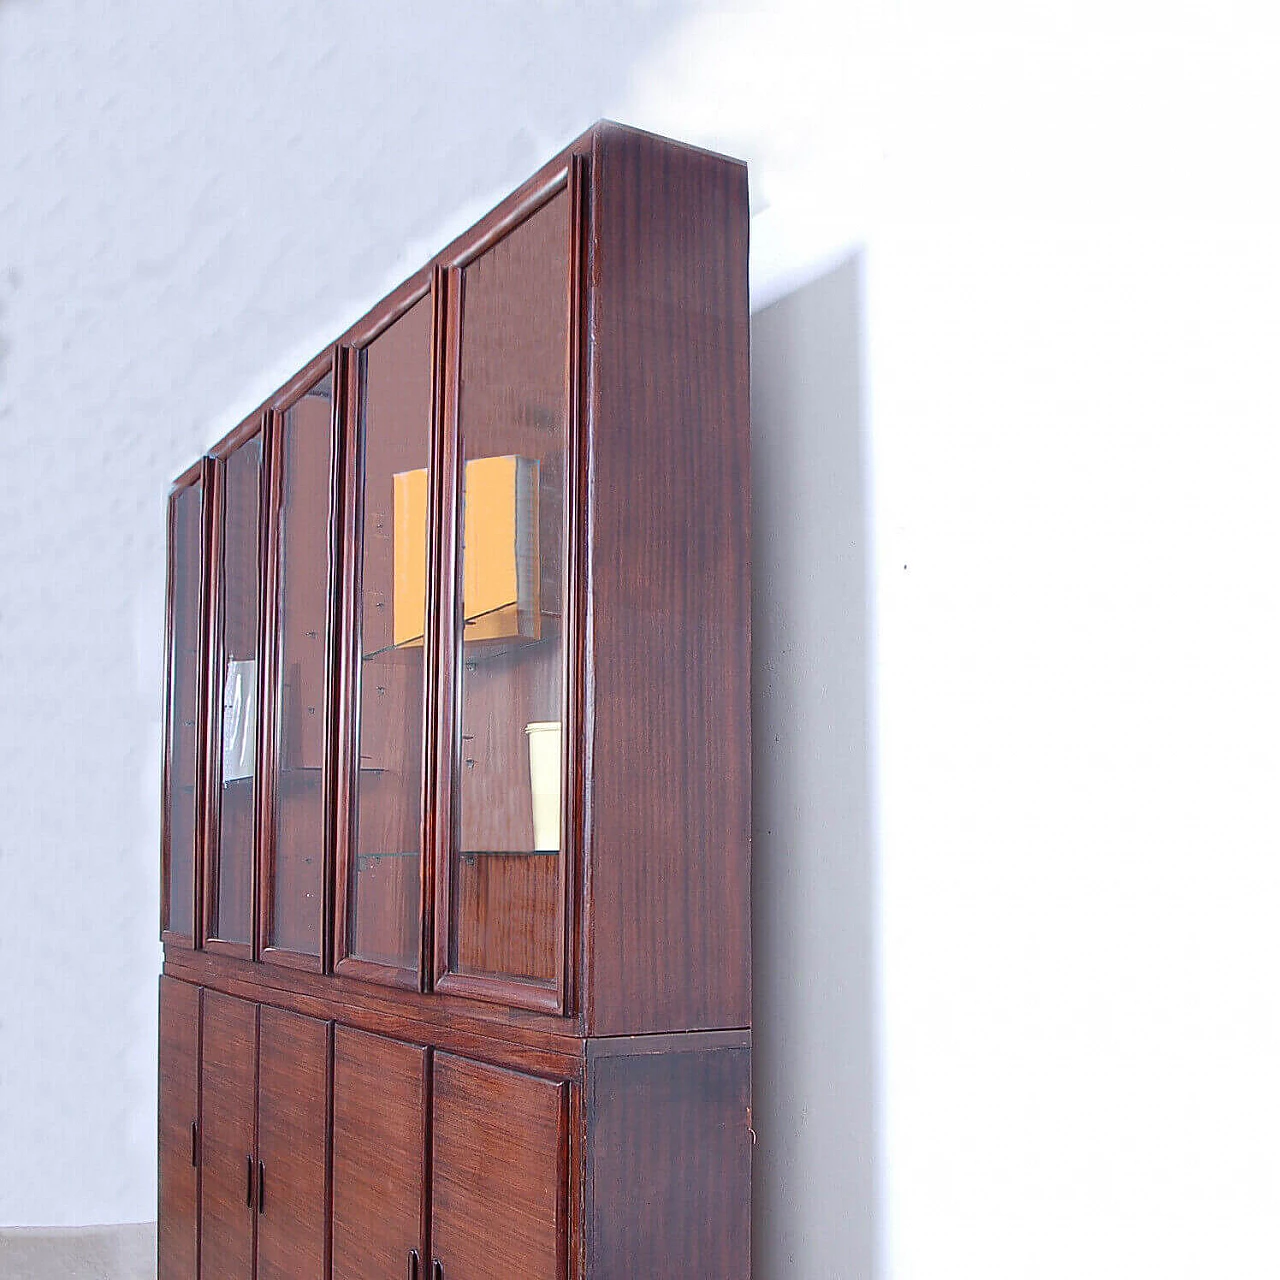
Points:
[(413, 1264), (195, 1150), (437, 1269), (248, 1181), (262, 1187)]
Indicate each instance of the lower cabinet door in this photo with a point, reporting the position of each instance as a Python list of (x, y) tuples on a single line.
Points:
[(379, 1157), (229, 1059), (293, 1114), (179, 1115), (499, 1173)]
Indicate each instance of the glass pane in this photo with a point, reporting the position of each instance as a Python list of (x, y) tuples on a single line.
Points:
[(298, 871), (239, 692), (395, 410), (184, 704), (514, 437)]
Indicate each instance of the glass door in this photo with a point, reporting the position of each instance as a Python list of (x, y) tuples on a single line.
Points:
[(296, 745), (506, 640), (184, 718), (234, 696), (379, 902)]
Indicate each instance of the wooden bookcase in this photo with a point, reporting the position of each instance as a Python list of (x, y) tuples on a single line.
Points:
[(456, 841)]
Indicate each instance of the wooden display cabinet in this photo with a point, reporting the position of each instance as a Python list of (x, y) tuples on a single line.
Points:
[(456, 851)]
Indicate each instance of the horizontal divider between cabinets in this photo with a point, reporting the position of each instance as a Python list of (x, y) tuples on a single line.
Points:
[(421, 1018)]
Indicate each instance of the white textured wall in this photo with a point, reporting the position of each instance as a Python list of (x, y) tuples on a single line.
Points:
[(194, 197), (1015, 411)]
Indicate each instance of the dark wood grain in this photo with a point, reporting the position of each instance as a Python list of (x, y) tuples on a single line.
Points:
[(379, 1155), (588, 1011), (293, 1129), (178, 1129), (499, 1188), (433, 1018), (668, 879), (228, 1080), (507, 913), (668, 1177)]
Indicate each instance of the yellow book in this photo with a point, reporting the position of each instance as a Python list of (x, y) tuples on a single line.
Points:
[(501, 596), (409, 550)]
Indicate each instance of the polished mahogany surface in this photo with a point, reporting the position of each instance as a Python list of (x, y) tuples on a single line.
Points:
[(379, 1156), (179, 1129), (228, 1170), (457, 914), (292, 1186), (498, 1185)]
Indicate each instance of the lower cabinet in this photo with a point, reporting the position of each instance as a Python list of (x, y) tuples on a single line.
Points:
[(319, 1152), (228, 1170), (264, 1119), (296, 1148), (499, 1173), (179, 1129), (379, 1155), (292, 1192)]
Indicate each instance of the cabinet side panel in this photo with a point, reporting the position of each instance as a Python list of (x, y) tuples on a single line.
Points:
[(669, 1166), (179, 1114), (668, 878)]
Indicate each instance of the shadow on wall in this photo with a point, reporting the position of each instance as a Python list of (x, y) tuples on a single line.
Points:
[(817, 1180)]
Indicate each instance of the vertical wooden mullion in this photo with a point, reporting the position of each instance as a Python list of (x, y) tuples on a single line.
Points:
[(255, 859), (202, 704), (346, 683), (333, 647), (573, 612), (212, 739), (448, 654), (430, 873), (268, 679)]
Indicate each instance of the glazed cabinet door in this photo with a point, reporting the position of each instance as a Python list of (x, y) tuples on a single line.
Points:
[(303, 449), (379, 1157), (509, 501), (228, 1173), (184, 710), (235, 591), (499, 1173), (291, 1194), (379, 842), (179, 1129)]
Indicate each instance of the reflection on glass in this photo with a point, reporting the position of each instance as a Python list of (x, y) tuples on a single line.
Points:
[(513, 423), (395, 408), (303, 535), (184, 702), (233, 901)]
